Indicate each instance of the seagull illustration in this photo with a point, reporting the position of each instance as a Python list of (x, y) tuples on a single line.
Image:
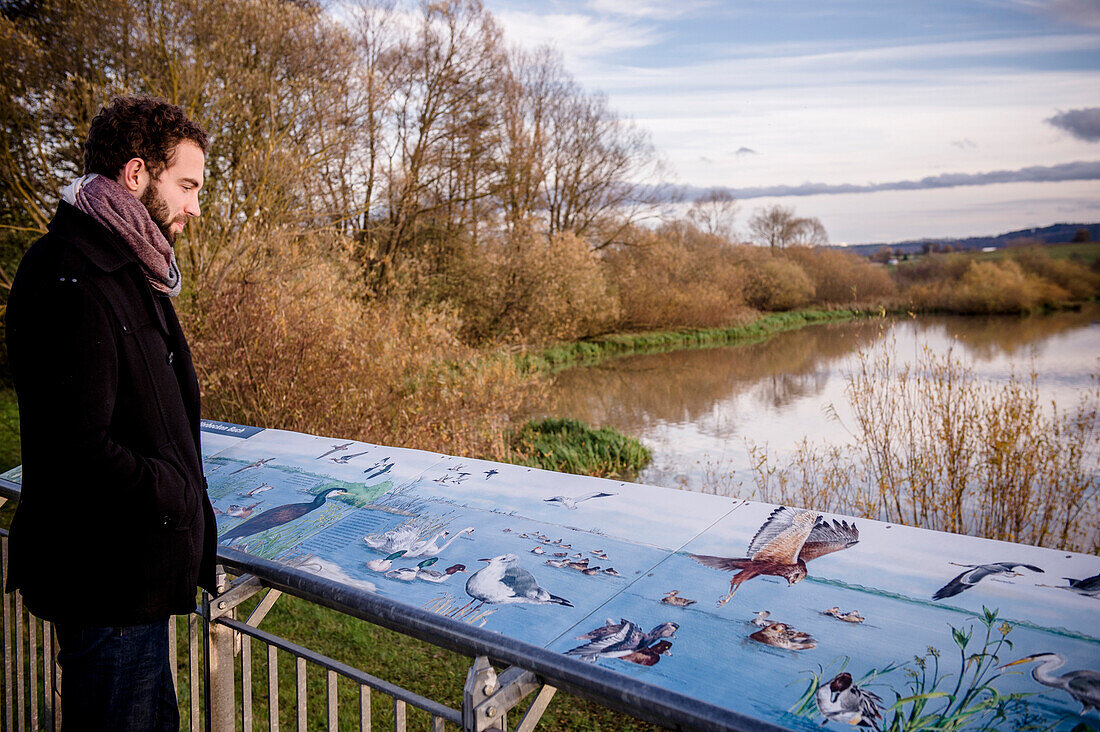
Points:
[(278, 516), (785, 542), (343, 459), (976, 573), (335, 448), (615, 640), (1084, 685), (571, 503), (1089, 586), (257, 464), (504, 582), (842, 701)]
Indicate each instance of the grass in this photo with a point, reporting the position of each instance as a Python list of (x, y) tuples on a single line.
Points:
[(571, 446), (587, 352)]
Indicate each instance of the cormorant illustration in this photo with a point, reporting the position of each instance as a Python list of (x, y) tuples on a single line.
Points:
[(842, 701), (335, 448), (785, 542), (257, 464), (975, 573), (278, 516), (1083, 685)]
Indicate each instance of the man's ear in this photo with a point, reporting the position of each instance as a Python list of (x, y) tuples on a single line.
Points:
[(134, 176)]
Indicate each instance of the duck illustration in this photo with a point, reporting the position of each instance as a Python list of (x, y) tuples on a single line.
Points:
[(852, 617), (382, 565), (504, 582), (261, 488), (615, 640), (785, 542), (278, 516), (1088, 587), (976, 573), (571, 502), (761, 619), (237, 511), (538, 550), (782, 635), (335, 448), (590, 571), (432, 575), (842, 701), (611, 571), (408, 574), (649, 656), (1083, 685), (673, 599), (257, 464)]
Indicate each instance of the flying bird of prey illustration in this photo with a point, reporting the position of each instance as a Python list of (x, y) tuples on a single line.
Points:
[(975, 573), (842, 701), (571, 502), (278, 516), (335, 448), (343, 459), (1083, 685), (257, 464), (1089, 586), (504, 582), (785, 542)]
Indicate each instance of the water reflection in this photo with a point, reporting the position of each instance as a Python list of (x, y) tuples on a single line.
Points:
[(698, 409)]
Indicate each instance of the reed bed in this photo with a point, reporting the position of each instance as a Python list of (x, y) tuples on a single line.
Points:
[(934, 447)]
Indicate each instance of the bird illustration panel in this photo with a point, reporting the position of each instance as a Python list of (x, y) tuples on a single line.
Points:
[(780, 613)]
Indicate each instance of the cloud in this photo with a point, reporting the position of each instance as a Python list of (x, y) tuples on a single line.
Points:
[(646, 9), (746, 151), (1084, 124), (1084, 170), (965, 144)]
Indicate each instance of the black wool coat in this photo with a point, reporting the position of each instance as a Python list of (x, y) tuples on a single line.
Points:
[(113, 525)]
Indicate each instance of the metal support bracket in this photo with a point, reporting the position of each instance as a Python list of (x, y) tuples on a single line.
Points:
[(487, 697), (238, 591)]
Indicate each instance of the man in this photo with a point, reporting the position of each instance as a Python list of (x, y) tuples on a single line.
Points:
[(114, 528)]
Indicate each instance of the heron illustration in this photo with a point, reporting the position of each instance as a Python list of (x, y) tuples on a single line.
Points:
[(975, 573), (1083, 685), (785, 542), (278, 516)]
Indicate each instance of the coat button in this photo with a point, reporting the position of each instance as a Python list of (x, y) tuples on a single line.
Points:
[(171, 358), (165, 519)]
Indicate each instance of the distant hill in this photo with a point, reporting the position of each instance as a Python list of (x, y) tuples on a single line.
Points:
[(1056, 234)]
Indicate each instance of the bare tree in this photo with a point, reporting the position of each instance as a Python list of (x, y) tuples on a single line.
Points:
[(777, 227), (714, 212)]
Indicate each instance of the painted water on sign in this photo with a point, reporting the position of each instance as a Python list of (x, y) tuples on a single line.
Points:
[(698, 409), (746, 605)]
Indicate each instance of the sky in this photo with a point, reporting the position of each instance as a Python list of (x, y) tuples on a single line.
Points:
[(887, 119)]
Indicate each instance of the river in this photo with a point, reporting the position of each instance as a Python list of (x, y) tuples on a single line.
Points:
[(699, 410)]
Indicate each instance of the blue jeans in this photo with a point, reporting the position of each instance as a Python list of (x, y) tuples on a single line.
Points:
[(116, 678)]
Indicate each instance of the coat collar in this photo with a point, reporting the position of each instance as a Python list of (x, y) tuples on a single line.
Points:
[(105, 250)]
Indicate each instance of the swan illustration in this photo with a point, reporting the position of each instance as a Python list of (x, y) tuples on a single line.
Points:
[(409, 539)]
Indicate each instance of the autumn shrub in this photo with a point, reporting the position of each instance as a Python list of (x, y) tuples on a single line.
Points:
[(1074, 277), (676, 277), (933, 268), (988, 287), (525, 287), (289, 342), (774, 282), (842, 277)]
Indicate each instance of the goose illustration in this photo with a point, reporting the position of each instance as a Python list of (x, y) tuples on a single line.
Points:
[(1083, 685), (382, 565), (408, 574), (785, 542), (571, 502), (842, 701), (975, 573), (278, 516), (504, 582)]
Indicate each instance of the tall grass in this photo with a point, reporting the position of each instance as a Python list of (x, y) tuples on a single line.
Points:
[(932, 446), (571, 446)]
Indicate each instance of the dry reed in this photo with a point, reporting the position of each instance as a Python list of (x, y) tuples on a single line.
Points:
[(934, 447)]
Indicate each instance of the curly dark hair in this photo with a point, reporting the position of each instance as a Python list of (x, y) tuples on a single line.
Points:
[(138, 126)]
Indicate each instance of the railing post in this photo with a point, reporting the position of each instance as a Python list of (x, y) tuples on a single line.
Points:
[(220, 665)]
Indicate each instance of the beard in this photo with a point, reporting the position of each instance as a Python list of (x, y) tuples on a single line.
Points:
[(158, 211)]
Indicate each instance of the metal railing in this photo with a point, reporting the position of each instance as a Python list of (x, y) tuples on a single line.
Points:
[(221, 660)]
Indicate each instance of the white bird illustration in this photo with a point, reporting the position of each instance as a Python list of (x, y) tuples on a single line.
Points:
[(504, 582), (842, 701), (571, 502), (1083, 685), (382, 565)]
